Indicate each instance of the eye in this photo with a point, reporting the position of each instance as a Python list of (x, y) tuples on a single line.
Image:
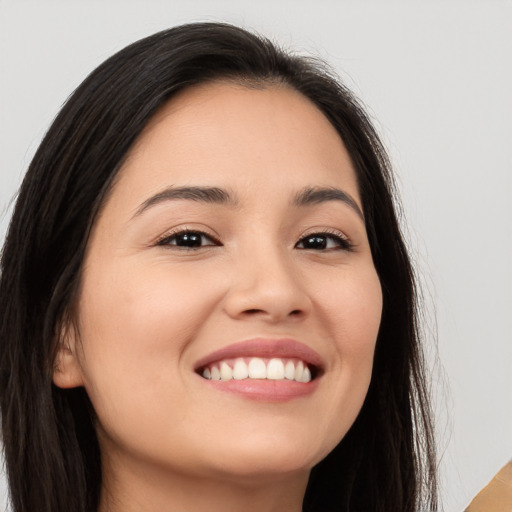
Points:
[(324, 242), (188, 239)]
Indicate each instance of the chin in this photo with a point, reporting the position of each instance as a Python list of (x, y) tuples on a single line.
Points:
[(260, 461)]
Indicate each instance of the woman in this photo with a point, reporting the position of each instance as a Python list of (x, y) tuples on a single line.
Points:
[(206, 300)]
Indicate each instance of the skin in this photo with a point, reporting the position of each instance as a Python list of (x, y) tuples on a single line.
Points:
[(147, 312)]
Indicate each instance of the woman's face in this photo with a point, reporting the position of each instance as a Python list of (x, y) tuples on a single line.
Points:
[(232, 243)]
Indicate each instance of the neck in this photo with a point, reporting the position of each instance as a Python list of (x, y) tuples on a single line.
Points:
[(144, 489)]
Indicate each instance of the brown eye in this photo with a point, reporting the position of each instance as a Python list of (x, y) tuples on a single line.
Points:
[(323, 241), (188, 240)]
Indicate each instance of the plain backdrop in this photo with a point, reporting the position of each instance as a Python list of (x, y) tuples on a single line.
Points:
[(436, 77)]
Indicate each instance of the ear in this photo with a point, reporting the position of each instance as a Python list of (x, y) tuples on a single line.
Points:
[(66, 368)]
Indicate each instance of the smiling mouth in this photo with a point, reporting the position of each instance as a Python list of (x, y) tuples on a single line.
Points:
[(260, 368), (263, 369)]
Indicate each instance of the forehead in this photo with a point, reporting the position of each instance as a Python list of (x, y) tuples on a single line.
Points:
[(270, 138)]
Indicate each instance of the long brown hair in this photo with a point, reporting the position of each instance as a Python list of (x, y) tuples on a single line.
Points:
[(385, 463)]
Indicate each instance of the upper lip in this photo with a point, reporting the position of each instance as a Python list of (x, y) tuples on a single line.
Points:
[(264, 347)]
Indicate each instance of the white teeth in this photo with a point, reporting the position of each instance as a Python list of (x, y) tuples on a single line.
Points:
[(240, 370), (306, 376), (215, 373), (226, 373), (257, 368), (275, 369), (299, 370), (289, 370)]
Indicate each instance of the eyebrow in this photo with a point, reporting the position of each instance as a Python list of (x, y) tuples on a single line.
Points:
[(215, 195), (316, 195), (211, 195)]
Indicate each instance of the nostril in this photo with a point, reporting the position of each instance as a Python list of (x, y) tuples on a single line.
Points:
[(254, 311)]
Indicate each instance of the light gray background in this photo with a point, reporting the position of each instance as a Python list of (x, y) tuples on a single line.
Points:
[(436, 76)]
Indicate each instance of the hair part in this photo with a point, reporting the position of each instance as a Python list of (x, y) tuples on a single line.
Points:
[(385, 462)]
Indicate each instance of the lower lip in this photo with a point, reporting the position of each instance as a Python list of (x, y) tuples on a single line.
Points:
[(264, 390)]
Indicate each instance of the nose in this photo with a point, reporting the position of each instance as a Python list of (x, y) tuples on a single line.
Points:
[(267, 286)]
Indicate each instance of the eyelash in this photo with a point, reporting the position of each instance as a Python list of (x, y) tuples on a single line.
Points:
[(166, 240), (342, 242)]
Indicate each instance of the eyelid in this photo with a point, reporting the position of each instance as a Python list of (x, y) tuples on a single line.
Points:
[(184, 230), (347, 245), (325, 231), (163, 240)]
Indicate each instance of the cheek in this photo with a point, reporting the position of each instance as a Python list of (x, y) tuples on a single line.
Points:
[(352, 314), (138, 308), (353, 309), (135, 325)]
